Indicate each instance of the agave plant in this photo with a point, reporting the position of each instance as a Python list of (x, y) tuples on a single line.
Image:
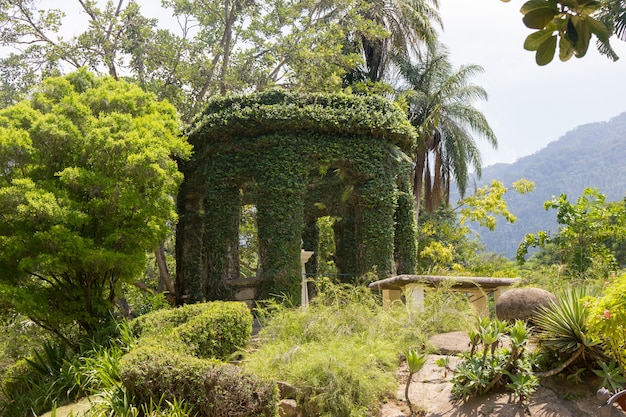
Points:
[(562, 327)]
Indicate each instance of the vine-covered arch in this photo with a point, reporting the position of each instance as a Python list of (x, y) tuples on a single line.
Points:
[(296, 157)]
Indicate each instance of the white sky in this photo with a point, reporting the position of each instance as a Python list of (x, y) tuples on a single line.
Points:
[(529, 106)]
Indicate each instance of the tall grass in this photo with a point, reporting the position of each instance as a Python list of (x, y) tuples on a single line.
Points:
[(342, 351)]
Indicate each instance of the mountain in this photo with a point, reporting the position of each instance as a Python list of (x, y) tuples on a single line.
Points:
[(592, 155)]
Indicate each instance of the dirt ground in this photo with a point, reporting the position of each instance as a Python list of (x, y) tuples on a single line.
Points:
[(430, 391)]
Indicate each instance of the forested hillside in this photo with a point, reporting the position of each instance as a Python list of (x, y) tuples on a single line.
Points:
[(591, 155)]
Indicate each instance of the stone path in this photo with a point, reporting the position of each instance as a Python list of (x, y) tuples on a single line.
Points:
[(431, 391)]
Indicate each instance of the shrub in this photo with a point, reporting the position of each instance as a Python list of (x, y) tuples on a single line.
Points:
[(607, 321), (486, 367), (161, 320), (34, 384), (220, 330), (215, 329), (16, 379), (211, 388)]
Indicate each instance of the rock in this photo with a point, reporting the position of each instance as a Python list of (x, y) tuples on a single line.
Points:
[(286, 390), (288, 408), (450, 343), (522, 303)]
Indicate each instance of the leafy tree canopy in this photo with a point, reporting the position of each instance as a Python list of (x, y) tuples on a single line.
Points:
[(87, 177), (213, 47), (571, 24), (590, 231)]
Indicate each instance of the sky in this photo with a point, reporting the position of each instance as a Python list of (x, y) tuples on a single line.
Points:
[(528, 106)]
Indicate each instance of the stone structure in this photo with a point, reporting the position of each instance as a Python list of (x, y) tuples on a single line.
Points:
[(412, 286), (295, 157)]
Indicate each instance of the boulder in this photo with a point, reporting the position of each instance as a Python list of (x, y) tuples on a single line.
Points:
[(522, 303), (288, 408)]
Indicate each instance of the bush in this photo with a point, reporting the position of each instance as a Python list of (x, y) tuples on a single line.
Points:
[(161, 320), (212, 388), (34, 384), (215, 329), (607, 318), (15, 383), (219, 331)]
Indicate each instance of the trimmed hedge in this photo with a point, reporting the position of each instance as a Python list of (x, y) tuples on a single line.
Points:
[(211, 387), (161, 320), (215, 329)]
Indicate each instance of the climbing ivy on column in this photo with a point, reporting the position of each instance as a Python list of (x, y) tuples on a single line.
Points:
[(278, 150)]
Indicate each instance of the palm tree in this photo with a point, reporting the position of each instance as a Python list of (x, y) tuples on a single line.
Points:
[(408, 25), (440, 102)]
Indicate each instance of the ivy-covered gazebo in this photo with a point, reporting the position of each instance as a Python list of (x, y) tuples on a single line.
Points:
[(295, 157)]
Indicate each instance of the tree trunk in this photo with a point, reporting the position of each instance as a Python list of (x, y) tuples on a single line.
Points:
[(165, 279)]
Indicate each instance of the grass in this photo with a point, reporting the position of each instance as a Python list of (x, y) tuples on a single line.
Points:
[(341, 352)]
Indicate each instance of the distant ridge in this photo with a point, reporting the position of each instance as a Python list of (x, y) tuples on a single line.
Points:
[(591, 155)]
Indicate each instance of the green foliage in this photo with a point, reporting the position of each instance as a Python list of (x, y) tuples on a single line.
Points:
[(588, 230), (443, 243), (446, 243), (249, 242), (210, 387), (218, 48), (415, 361), (274, 111), (296, 157), (219, 331), (607, 317), (563, 325), (439, 101), (326, 247), (34, 384), (612, 376), (86, 188), (487, 203), (571, 24), (341, 351), (486, 366), (215, 329)]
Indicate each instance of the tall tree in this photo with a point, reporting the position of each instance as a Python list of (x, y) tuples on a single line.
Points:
[(86, 179), (214, 47), (440, 105), (591, 232), (406, 26)]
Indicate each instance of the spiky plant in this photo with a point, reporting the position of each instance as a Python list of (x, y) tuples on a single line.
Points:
[(563, 329)]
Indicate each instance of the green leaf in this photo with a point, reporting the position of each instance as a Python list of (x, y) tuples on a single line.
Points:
[(599, 29), (538, 19), (545, 52), (538, 13), (565, 49), (584, 35), (536, 39)]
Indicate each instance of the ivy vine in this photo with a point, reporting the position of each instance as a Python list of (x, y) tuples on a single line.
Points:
[(296, 157)]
